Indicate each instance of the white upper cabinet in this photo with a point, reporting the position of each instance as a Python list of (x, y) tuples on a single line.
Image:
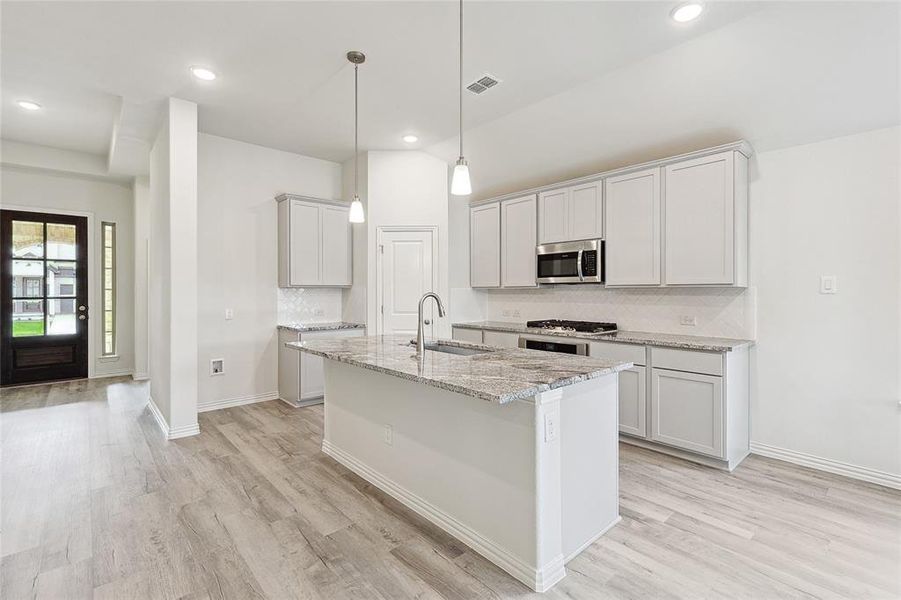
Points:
[(572, 213), (632, 245), (485, 245), (706, 221), (314, 243), (518, 240)]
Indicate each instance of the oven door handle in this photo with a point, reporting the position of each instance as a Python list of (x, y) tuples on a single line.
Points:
[(579, 266)]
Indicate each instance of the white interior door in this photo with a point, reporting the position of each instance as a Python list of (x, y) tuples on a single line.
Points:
[(407, 272)]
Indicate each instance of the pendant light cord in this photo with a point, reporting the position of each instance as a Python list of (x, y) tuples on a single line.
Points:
[(461, 78), (356, 131)]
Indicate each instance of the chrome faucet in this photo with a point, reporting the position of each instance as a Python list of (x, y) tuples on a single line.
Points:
[(420, 342)]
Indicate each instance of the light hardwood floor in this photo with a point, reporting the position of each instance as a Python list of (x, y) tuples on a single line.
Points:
[(96, 504)]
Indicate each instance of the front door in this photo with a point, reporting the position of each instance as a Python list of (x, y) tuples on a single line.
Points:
[(406, 273), (44, 288)]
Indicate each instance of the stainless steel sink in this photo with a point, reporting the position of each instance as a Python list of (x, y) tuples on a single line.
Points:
[(461, 350)]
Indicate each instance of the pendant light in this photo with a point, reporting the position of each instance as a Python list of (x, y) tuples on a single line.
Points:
[(460, 184), (356, 207)]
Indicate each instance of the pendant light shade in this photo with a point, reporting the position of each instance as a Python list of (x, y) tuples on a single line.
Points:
[(357, 214), (460, 183)]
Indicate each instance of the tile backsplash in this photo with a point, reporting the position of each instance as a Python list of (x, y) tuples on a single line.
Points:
[(720, 312), (309, 305)]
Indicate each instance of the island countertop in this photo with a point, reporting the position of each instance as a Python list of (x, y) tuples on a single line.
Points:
[(499, 375)]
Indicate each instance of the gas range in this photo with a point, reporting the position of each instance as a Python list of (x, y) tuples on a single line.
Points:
[(559, 325)]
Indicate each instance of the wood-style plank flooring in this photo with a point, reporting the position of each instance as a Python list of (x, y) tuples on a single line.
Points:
[(95, 503)]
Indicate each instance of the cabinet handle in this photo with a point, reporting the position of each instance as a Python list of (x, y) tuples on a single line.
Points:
[(427, 322)]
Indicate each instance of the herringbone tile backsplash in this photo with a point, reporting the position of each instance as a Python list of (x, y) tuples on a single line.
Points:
[(308, 305), (721, 312)]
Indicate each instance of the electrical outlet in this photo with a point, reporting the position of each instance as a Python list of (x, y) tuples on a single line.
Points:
[(550, 427), (389, 435), (506, 312), (688, 320), (828, 284), (318, 312), (516, 313), (217, 366), (229, 314)]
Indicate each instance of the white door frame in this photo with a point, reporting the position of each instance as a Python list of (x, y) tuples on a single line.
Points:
[(380, 250), (93, 265)]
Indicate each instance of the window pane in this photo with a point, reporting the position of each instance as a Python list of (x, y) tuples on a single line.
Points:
[(109, 286), (107, 279), (61, 241), (28, 239), (60, 277), (61, 316), (28, 278), (108, 343), (28, 318)]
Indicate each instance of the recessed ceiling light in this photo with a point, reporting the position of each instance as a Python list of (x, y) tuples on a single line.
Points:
[(411, 139), (203, 73), (687, 12), (28, 105)]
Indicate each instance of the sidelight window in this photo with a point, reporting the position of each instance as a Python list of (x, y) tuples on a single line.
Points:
[(109, 288)]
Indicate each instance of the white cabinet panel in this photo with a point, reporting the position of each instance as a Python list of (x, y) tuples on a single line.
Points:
[(485, 245), (501, 339), (314, 243), (700, 221), (518, 240), (553, 220), (633, 228), (336, 244), (300, 375), (467, 335), (633, 401), (305, 245), (587, 212), (687, 411)]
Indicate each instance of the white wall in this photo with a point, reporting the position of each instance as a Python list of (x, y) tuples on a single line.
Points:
[(141, 199), (159, 277), (827, 366), (237, 258), (43, 190), (354, 309), (405, 188)]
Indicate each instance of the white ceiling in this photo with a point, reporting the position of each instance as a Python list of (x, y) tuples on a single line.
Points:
[(97, 67)]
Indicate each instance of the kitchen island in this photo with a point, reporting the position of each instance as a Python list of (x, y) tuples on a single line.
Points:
[(514, 452)]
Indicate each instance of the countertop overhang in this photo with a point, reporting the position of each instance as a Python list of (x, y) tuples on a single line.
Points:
[(499, 375)]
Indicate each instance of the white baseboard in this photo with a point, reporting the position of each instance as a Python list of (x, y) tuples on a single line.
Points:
[(539, 580), (593, 539), (171, 433), (125, 373), (828, 465), (140, 376), (238, 401)]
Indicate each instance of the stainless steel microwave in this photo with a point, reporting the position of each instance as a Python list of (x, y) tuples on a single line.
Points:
[(571, 262)]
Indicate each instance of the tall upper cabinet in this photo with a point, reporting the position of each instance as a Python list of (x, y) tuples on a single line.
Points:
[(502, 241), (706, 221), (485, 245), (314, 243), (633, 228)]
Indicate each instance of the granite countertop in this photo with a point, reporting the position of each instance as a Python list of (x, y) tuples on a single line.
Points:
[(500, 375), (328, 326), (667, 340)]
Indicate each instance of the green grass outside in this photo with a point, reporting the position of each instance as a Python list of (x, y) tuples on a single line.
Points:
[(26, 328)]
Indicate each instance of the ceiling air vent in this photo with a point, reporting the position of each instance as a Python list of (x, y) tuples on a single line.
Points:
[(483, 83)]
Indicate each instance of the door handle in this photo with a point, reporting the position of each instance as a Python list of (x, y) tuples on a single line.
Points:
[(82, 308), (427, 322), (81, 317)]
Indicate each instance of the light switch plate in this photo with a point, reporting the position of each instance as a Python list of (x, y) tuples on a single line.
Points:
[(828, 284), (688, 320), (389, 435), (229, 314)]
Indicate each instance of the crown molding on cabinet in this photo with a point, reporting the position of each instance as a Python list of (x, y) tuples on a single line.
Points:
[(282, 197), (741, 146)]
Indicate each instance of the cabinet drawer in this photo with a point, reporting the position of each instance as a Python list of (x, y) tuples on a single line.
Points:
[(692, 361), (624, 352)]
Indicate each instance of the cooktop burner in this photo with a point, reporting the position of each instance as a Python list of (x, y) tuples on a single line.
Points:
[(580, 326)]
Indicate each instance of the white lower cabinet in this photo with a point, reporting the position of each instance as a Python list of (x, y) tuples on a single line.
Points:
[(633, 401), (300, 377), (687, 411), (467, 335)]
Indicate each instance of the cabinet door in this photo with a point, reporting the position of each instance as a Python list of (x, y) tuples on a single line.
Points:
[(467, 335), (312, 376), (687, 411), (586, 211), (336, 246), (553, 216), (633, 228), (485, 245), (501, 339), (699, 211), (518, 239), (633, 401), (305, 244)]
